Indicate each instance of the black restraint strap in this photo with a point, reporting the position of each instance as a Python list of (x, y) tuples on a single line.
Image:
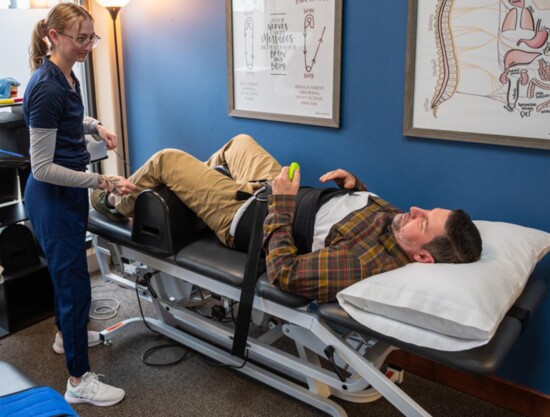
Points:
[(308, 202), (251, 272)]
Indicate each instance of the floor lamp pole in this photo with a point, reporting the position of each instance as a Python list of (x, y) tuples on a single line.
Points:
[(114, 13)]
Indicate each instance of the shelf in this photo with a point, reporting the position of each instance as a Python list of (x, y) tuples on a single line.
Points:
[(13, 213)]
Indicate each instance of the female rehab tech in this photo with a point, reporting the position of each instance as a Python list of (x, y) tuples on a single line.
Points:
[(56, 195)]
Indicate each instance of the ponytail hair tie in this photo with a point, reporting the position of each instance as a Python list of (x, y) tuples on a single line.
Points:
[(43, 28)]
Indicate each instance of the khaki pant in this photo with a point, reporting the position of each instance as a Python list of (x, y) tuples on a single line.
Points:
[(210, 194)]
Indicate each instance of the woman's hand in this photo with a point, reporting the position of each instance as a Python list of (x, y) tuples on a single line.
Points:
[(110, 138), (342, 178), (117, 185)]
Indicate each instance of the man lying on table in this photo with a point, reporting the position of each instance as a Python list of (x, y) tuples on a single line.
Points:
[(318, 241)]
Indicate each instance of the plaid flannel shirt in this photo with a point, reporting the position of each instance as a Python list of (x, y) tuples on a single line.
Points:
[(358, 246)]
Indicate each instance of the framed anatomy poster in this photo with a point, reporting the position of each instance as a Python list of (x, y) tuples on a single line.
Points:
[(479, 71), (283, 60)]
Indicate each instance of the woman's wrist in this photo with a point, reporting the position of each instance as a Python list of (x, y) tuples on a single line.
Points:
[(105, 183), (109, 183), (98, 126)]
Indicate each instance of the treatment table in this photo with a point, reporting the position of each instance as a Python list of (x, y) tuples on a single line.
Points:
[(169, 259)]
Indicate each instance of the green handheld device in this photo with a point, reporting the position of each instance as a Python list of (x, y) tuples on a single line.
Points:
[(293, 167)]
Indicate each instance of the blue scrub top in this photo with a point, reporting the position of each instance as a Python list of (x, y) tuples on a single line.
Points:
[(50, 103)]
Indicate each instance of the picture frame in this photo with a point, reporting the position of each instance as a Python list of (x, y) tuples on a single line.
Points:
[(478, 74), (284, 60)]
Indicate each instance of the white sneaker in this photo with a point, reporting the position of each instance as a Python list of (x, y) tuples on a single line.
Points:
[(93, 340), (92, 391)]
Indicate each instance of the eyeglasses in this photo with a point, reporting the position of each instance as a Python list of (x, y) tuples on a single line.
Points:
[(83, 41)]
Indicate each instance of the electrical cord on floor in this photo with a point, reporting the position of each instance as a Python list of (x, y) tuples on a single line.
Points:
[(154, 349), (105, 312)]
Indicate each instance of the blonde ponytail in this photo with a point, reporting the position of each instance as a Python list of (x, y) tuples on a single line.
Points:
[(40, 46)]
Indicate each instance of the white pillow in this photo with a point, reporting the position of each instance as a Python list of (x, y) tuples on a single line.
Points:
[(464, 301)]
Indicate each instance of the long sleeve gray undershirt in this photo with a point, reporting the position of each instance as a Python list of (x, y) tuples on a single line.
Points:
[(42, 150)]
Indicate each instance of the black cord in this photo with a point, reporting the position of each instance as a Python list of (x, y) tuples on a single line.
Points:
[(141, 310), (152, 350), (233, 312), (223, 320)]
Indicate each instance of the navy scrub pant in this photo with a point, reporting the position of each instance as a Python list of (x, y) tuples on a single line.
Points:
[(59, 217)]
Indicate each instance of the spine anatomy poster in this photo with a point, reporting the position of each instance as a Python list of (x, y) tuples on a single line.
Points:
[(483, 66), (283, 57)]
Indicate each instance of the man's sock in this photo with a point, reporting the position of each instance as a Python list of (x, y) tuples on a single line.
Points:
[(107, 202)]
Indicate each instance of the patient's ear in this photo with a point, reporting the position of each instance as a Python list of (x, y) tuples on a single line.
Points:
[(424, 257)]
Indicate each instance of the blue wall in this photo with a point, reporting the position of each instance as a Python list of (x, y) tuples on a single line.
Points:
[(176, 89)]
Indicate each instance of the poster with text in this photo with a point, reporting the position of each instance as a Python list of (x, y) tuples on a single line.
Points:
[(284, 60)]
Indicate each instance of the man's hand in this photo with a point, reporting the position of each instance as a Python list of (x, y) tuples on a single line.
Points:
[(281, 185), (108, 137), (117, 185), (342, 178)]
